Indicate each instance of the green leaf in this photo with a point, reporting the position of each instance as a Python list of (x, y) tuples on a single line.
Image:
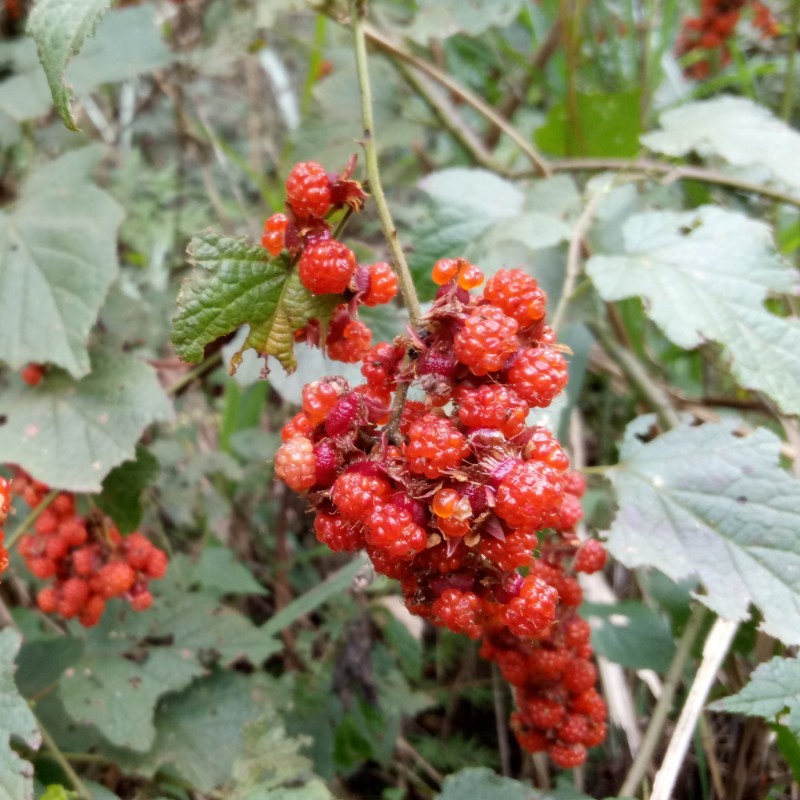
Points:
[(704, 275), (41, 662), (122, 490), (630, 634), (733, 128), (16, 720), (118, 695), (59, 256), (712, 503), (59, 28), (237, 284), (605, 125), (774, 688), (789, 745), (71, 433), (479, 783), (218, 570), (443, 18)]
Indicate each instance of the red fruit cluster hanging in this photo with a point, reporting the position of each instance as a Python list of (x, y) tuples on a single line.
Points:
[(450, 491), (5, 507), (711, 32), (325, 265), (88, 559)]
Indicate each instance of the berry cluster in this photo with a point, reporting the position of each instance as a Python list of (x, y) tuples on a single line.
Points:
[(87, 557), (451, 492), (711, 32), (325, 265), (5, 507)]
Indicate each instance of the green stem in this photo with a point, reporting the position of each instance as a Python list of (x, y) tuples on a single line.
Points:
[(373, 173), (787, 104), (193, 374), (77, 784), (661, 712), (30, 519)]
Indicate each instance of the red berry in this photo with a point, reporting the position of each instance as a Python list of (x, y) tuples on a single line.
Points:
[(570, 514), (541, 445), (459, 611), (383, 284), (114, 579), (5, 498), (380, 365), (274, 233), (528, 614), (590, 703), (295, 463), (577, 632), (319, 397), (355, 494), (590, 558), (298, 425), (72, 597), (32, 374), (73, 531), (538, 375), (308, 190), (47, 522), (352, 344), (434, 446), (391, 529), (338, 533), (326, 267), (542, 713), (140, 601), (444, 270), (491, 406), (567, 756), (518, 295), (579, 675), (486, 341), (47, 600), (575, 729), (516, 550), (469, 276), (530, 495), (157, 563), (92, 611), (548, 665)]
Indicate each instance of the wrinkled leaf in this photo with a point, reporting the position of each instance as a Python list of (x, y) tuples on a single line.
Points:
[(774, 688), (236, 284), (59, 28), (121, 497), (711, 503), (71, 433), (59, 256), (16, 719), (733, 128), (704, 275)]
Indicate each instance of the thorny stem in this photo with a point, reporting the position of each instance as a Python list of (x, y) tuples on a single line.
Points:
[(30, 519), (407, 289), (661, 711)]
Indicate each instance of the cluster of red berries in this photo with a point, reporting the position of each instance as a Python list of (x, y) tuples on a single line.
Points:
[(5, 507), (711, 32), (87, 557), (451, 492), (325, 265)]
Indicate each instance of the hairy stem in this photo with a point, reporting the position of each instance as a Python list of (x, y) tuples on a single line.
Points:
[(661, 711), (373, 173)]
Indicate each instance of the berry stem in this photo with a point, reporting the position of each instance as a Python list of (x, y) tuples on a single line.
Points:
[(26, 524), (373, 173), (57, 756)]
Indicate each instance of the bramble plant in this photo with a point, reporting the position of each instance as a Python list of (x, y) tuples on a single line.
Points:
[(461, 458)]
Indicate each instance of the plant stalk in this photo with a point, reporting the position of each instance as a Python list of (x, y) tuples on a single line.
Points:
[(30, 519), (373, 173)]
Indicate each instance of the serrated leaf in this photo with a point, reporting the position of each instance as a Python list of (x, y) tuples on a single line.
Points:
[(774, 688), (296, 306), (239, 284), (70, 433), (443, 18), (630, 634), (733, 128), (16, 719), (121, 497), (59, 256), (704, 275), (60, 28), (711, 503), (118, 696)]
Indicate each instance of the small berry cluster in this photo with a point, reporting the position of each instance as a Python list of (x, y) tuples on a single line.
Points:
[(5, 507), (325, 265), (451, 492), (88, 558), (711, 32)]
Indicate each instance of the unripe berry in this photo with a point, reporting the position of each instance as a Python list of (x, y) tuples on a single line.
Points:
[(274, 233), (295, 464)]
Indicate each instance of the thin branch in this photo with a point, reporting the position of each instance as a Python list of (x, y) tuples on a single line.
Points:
[(194, 373), (30, 519), (672, 172), (371, 161), (500, 722), (714, 652), (77, 784), (484, 109), (652, 393), (661, 711), (787, 103)]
